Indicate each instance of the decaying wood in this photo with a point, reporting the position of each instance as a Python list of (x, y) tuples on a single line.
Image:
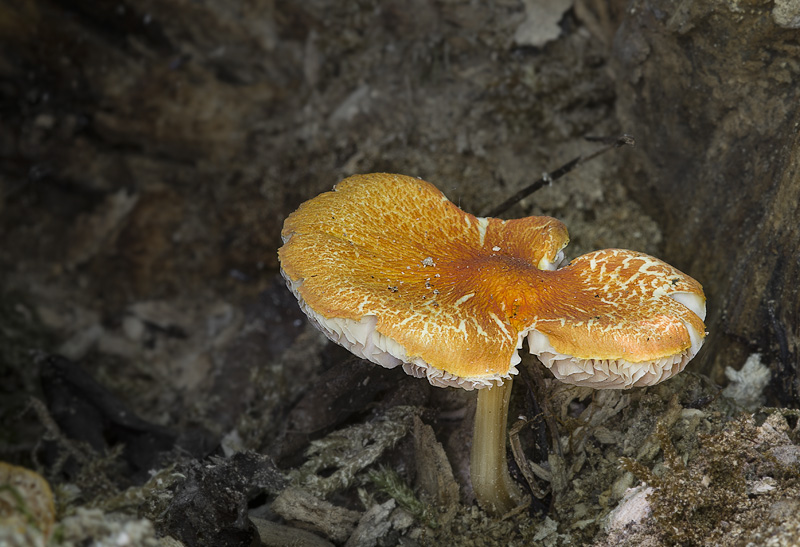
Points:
[(710, 91)]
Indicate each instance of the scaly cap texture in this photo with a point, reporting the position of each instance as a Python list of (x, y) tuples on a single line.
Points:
[(389, 268), (616, 319)]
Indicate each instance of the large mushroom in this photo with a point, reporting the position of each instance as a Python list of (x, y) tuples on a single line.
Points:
[(390, 269)]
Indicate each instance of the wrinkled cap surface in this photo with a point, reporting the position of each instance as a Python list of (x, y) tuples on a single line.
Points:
[(616, 319), (386, 266)]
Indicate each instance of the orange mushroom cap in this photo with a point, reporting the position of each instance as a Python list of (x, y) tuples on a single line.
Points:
[(389, 268), (617, 319)]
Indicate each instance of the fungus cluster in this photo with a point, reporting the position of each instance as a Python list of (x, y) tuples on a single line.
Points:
[(386, 266)]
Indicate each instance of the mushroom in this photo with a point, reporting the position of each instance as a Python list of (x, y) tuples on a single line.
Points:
[(386, 266), (27, 511)]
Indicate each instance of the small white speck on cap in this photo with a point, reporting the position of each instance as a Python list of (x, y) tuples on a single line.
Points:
[(495, 248)]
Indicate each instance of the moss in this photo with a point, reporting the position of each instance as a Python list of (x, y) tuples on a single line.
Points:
[(96, 475), (335, 460), (390, 483), (690, 501), (150, 500)]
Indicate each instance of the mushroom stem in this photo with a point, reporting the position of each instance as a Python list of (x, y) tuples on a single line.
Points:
[(494, 489)]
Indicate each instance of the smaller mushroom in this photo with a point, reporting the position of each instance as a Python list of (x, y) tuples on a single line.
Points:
[(27, 510), (386, 266)]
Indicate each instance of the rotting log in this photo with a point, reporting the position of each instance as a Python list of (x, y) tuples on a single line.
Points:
[(710, 90)]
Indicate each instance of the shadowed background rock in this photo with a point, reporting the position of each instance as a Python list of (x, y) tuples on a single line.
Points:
[(710, 91)]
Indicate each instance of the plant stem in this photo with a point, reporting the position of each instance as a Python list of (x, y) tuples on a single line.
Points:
[(495, 490)]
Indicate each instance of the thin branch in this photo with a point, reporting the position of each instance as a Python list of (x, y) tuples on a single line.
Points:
[(548, 178)]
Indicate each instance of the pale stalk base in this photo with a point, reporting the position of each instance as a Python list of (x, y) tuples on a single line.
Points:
[(494, 489)]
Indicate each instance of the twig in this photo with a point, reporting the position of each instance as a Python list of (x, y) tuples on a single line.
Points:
[(522, 461), (548, 178)]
